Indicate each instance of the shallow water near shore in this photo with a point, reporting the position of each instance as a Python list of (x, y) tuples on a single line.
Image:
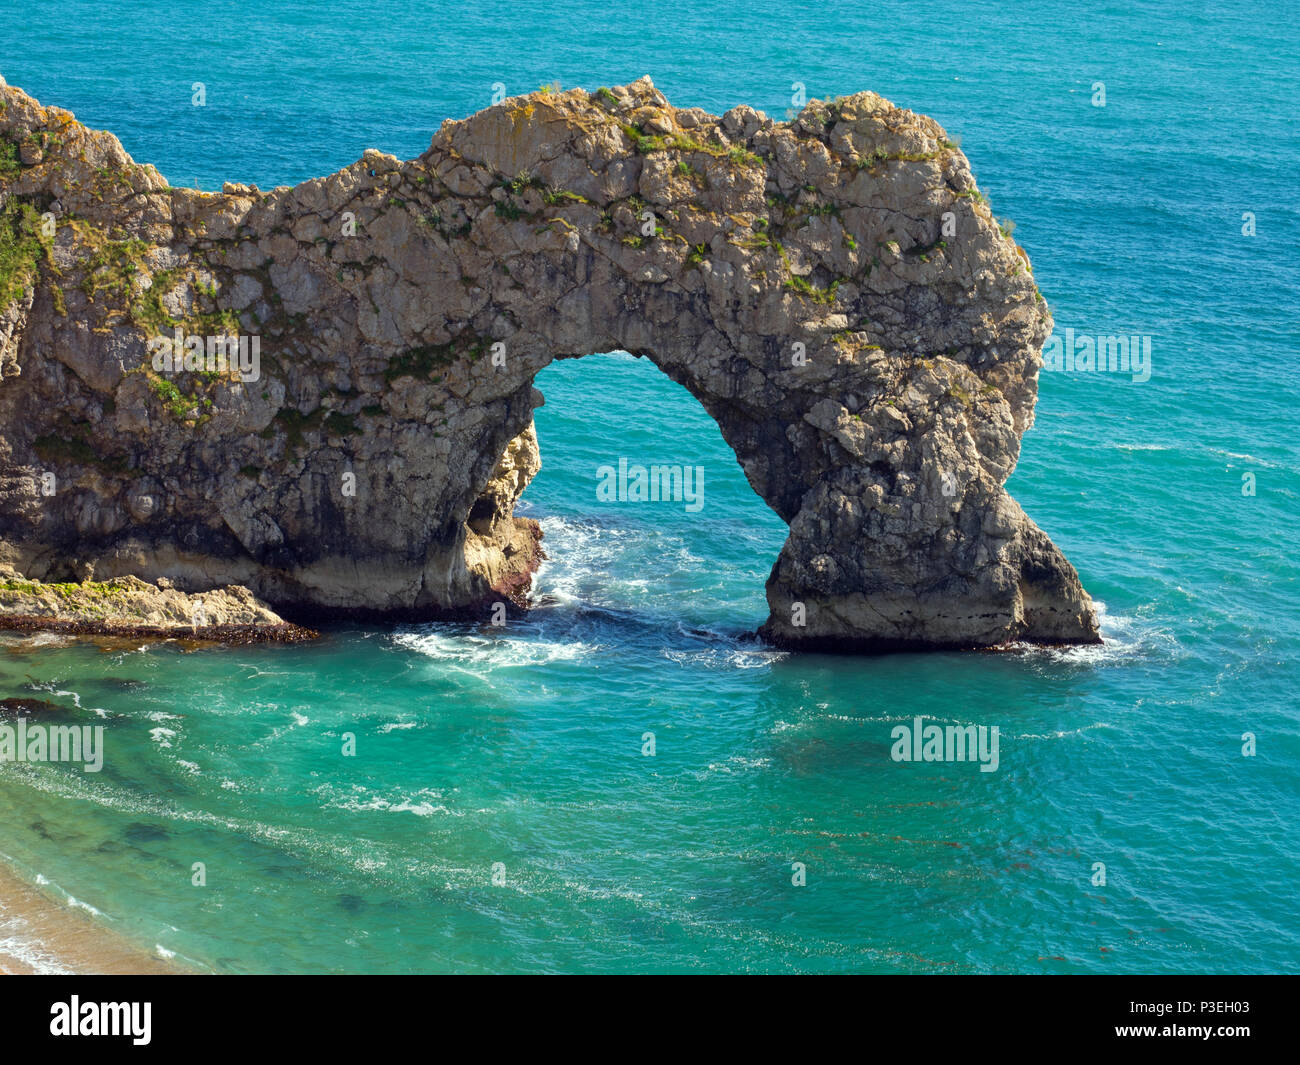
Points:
[(520, 750)]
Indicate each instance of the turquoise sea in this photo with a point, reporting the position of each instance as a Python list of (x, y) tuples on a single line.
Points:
[(519, 751)]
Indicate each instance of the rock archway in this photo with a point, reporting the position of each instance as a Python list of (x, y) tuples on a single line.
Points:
[(834, 292)]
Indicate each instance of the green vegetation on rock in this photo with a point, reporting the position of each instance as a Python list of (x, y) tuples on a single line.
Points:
[(72, 444), (10, 165), (21, 249)]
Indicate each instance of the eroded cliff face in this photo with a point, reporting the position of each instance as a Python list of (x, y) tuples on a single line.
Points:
[(834, 291)]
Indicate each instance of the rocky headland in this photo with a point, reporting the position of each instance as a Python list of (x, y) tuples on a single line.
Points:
[(835, 292)]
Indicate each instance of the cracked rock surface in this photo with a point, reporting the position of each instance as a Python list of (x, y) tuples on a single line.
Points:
[(834, 291)]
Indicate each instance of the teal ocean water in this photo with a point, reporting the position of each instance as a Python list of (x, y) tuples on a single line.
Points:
[(520, 751)]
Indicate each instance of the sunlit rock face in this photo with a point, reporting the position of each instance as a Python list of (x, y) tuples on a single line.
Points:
[(834, 291)]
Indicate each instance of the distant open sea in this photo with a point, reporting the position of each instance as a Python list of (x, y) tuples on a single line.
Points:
[(521, 750)]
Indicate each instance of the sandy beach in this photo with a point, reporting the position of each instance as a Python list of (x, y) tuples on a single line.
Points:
[(39, 935)]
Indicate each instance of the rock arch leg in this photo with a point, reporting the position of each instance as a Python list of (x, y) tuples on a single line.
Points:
[(862, 572)]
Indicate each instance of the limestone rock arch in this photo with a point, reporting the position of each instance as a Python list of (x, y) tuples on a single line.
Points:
[(834, 291)]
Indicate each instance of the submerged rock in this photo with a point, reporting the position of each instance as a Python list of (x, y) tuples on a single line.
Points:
[(834, 291), (25, 706)]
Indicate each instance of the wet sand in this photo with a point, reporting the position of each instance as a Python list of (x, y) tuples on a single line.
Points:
[(39, 935)]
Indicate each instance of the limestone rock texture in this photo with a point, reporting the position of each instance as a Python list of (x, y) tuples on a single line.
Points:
[(128, 606), (873, 375)]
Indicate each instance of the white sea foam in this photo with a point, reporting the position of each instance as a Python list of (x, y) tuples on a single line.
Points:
[(143, 650), (162, 736), (14, 927), (1059, 734), (737, 763), (474, 653), (726, 657), (1123, 639), (61, 693), (77, 904), (76, 701), (583, 572), (29, 953), (381, 805), (581, 553), (46, 639), (277, 731), (1252, 459), (885, 719), (359, 799)]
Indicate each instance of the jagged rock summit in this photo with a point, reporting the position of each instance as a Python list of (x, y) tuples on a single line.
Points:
[(834, 291)]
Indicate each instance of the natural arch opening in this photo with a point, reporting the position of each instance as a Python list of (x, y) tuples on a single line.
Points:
[(687, 546)]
